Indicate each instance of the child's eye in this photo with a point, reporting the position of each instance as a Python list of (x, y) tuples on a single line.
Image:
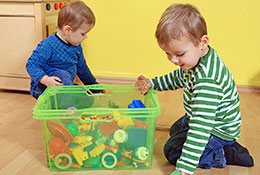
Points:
[(179, 55), (83, 34)]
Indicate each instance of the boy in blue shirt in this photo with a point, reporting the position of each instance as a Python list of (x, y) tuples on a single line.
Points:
[(59, 58)]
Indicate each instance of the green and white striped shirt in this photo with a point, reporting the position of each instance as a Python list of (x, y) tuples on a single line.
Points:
[(211, 102)]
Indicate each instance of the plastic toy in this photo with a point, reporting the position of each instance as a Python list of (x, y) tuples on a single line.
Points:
[(108, 128), (79, 154), (89, 148), (111, 142), (92, 162), (75, 166), (116, 113), (100, 141), (63, 161), (82, 139), (136, 138), (73, 129), (127, 154), (120, 136), (57, 145), (58, 130), (141, 86), (113, 149), (125, 123), (141, 164), (141, 153), (112, 104), (109, 160), (70, 113), (176, 172), (97, 150), (136, 104), (87, 126), (140, 124)]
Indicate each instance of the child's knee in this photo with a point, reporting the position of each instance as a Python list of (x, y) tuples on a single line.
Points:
[(172, 150), (64, 75)]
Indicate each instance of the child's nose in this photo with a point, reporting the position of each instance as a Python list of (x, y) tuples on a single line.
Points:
[(174, 59)]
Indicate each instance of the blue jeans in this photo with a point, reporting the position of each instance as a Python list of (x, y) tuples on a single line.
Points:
[(213, 155), (62, 74)]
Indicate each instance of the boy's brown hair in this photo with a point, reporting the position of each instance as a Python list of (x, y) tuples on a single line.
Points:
[(180, 20), (74, 14)]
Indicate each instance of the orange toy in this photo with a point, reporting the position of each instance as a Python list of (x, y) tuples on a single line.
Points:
[(57, 145), (58, 130)]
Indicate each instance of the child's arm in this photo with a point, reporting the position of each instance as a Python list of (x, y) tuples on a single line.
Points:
[(37, 61), (206, 97), (83, 71), (170, 81)]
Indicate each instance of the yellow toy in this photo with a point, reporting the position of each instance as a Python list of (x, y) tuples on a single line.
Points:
[(81, 140), (87, 126), (79, 154), (125, 123), (97, 150)]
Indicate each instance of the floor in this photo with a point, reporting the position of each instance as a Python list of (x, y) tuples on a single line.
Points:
[(21, 149)]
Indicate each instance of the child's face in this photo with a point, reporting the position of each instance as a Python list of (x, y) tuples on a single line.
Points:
[(183, 52), (75, 37)]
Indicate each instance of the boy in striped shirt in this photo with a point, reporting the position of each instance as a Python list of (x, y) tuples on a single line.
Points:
[(205, 136)]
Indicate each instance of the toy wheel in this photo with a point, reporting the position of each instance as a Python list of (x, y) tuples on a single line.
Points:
[(62, 161), (106, 160)]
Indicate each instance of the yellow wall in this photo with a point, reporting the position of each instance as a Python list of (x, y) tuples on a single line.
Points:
[(122, 43)]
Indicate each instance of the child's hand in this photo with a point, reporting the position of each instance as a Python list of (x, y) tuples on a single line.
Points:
[(142, 85), (50, 81)]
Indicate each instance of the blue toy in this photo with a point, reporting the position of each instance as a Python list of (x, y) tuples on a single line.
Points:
[(136, 104)]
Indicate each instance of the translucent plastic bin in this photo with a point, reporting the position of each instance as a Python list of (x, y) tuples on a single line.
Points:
[(87, 130)]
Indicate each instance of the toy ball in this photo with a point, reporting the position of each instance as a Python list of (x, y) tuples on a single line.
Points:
[(57, 145), (73, 129)]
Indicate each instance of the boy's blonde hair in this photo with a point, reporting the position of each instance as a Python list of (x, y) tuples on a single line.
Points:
[(74, 14), (180, 20)]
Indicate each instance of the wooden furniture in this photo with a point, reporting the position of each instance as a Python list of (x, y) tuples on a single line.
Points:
[(23, 25)]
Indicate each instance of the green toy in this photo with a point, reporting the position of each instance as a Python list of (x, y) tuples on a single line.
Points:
[(176, 172)]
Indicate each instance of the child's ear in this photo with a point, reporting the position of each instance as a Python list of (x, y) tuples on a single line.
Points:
[(204, 41), (67, 29)]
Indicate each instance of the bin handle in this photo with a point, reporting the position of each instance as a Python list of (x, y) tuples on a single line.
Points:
[(104, 91)]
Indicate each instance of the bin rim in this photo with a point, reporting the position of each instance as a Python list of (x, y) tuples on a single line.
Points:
[(48, 114)]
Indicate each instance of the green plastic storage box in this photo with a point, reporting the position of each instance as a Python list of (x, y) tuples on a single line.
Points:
[(84, 129)]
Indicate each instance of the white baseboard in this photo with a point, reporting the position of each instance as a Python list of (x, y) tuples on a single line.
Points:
[(115, 80)]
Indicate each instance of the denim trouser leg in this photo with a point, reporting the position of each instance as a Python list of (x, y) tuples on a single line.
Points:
[(62, 74), (213, 155), (178, 134)]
